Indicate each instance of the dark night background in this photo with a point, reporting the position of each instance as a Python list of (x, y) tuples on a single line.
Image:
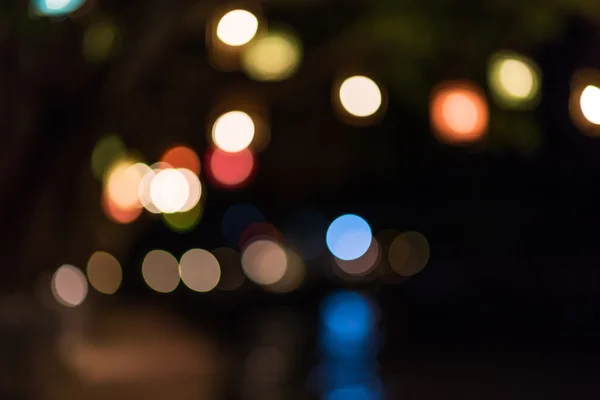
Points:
[(508, 306)]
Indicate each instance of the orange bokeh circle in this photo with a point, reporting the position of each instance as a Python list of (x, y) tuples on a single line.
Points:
[(118, 214), (182, 157), (459, 113)]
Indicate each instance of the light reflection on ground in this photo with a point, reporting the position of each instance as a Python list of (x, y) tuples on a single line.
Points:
[(134, 352)]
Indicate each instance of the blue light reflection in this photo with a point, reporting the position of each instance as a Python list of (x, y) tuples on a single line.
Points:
[(348, 338), (335, 375), (347, 315), (354, 393), (348, 323)]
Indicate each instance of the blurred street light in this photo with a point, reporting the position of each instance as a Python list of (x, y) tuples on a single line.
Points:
[(360, 96), (514, 80), (237, 27)]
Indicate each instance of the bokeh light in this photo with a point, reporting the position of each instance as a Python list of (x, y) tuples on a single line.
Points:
[(237, 27), (264, 262), (233, 131), (354, 392), (350, 377), (337, 376), (186, 221), (107, 151), (195, 190), (182, 157), (170, 190), (200, 270), (160, 270), (237, 219), (274, 56), (232, 276), (159, 166), (293, 276), (349, 341), (348, 321), (409, 253), (230, 170), (349, 237), (259, 230), (385, 238), (360, 96), (590, 104), (55, 8), (362, 265), (69, 286), (459, 113), (144, 193), (122, 182), (347, 315), (239, 120), (584, 102), (104, 272), (262, 131), (99, 40), (118, 214), (514, 80)]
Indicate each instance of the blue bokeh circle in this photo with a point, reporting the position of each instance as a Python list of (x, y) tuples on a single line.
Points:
[(349, 237)]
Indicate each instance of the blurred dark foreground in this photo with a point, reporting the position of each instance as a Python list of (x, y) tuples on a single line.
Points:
[(124, 351)]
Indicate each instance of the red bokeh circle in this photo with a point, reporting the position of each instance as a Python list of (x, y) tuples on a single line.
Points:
[(230, 170)]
